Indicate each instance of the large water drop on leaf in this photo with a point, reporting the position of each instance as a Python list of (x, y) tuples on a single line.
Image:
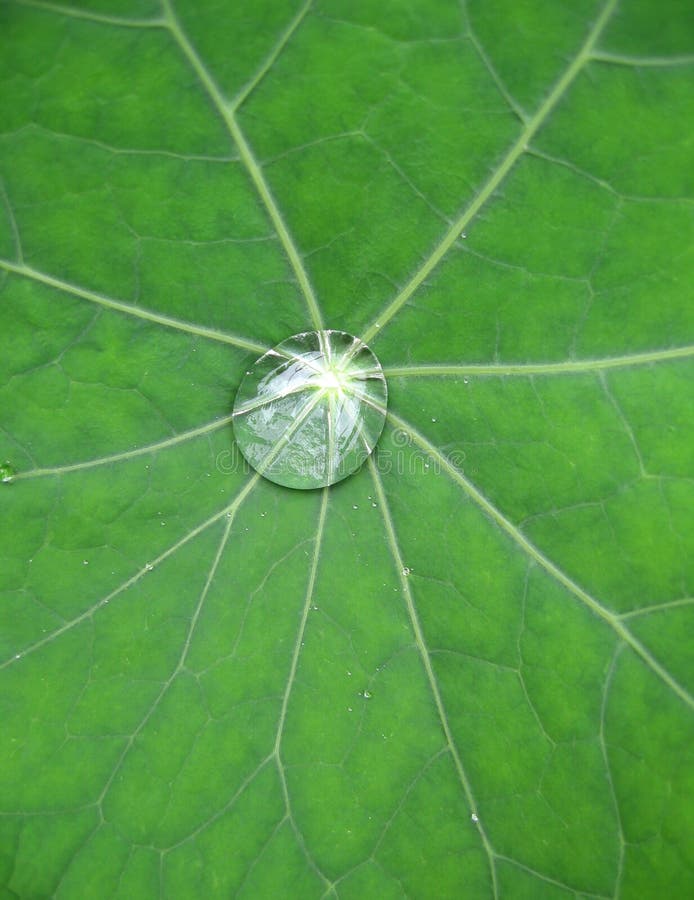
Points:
[(311, 410)]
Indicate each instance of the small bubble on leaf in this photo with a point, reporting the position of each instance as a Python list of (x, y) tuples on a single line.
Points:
[(406, 570)]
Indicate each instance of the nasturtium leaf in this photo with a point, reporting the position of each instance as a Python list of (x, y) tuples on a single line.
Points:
[(465, 670)]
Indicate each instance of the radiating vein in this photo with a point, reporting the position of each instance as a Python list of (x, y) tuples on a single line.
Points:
[(550, 368), (613, 620), (619, 59), (272, 57), (129, 582), (130, 309), (74, 12), (230, 514), (498, 175), (165, 444), (277, 750), (426, 661), (13, 222), (248, 158)]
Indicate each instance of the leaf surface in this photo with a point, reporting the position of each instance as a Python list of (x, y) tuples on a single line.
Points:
[(464, 671)]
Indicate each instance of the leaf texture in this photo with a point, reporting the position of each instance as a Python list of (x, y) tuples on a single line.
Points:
[(464, 671)]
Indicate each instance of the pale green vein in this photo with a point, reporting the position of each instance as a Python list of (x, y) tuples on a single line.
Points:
[(230, 514), (608, 769), (253, 168), (277, 750), (272, 57), (129, 582), (612, 619), (657, 607), (130, 309), (619, 59), (498, 175), (74, 12), (128, 454), (426, 661), (547, 879), (551, 368), (13, 222)]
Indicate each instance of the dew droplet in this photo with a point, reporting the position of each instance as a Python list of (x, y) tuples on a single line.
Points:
[(475, 818), (7, 473), (367, 695), (406, 570), (311, 410), (466, 380), (354, 506), (149, 567), (85, 562)]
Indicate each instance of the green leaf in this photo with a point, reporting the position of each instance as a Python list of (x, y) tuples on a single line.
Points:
[(465, 671)]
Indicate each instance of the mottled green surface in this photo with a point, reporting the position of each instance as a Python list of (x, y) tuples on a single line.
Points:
[(464, 672)]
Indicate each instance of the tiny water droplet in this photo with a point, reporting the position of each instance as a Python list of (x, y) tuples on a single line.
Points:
[(463, 235), (474, 817), (349, 709), (262, 515), (354, 506), (349, 673), (85, 562), (466, 380), (18, 656), (314, 607), (406, 570), (7, 473), (149, 567), (433, 420), (367, 695), (228, 515), (163, 523)]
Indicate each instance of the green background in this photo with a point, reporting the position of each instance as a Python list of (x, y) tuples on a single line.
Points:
[(464, 672)]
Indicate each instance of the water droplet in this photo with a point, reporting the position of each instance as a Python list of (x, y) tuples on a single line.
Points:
[(7, 473), (354, 506), (433, 420), (466, 380), (475, 818), (85, 562), (311, 410), (314, 607), (374, 505), (367, 695), (149, 567), (349, 673), (406, 570), (463, 235)]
